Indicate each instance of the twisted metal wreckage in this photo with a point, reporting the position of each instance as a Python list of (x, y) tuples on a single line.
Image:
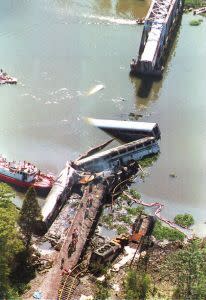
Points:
[(159, 25), (98, 177)]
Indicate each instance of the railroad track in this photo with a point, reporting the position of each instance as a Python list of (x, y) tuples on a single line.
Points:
[(69, 282)]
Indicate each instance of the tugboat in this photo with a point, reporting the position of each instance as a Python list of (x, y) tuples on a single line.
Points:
[(5, 78), (24, 174)]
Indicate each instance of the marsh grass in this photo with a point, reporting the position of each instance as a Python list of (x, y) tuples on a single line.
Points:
[(148, 161), (185, 220), (195, 22), (193, 3), (162, 232)]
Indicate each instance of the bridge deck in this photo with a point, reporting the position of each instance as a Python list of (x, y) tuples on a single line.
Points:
[(159, 22)]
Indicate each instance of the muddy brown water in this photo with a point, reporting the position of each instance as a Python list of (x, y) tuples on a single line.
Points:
[(60, 49)]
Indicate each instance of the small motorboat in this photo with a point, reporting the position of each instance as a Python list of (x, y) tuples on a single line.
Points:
[(5, 78)]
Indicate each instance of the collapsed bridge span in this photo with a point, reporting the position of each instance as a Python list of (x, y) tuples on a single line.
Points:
[(160, 22)]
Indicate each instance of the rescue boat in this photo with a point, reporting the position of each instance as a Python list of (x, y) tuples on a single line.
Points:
[(24, 174)]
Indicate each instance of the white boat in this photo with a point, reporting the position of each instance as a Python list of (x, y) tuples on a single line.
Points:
[(5, 78)]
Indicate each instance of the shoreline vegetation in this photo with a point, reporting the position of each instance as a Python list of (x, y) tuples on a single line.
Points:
[(122, 215), (196, 22), (169, 260), (194, 4), (198, 7), (168, 246), (173, 267), (145, 279), (16, 230)]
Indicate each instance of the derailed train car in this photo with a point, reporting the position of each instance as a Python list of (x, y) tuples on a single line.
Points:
[(108, 252), (141, 231), (142, 227)]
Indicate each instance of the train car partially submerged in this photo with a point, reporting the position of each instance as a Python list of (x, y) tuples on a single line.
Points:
[(119, 156), (127, 131)]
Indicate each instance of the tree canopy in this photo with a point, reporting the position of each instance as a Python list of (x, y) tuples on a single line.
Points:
[(137, 285), (185, 220), (6, 194), (10, 239), (30, 214), (187, 270)]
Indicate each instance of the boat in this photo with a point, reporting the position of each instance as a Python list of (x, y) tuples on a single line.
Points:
[(5, 78), (24, 174), (127, 131)]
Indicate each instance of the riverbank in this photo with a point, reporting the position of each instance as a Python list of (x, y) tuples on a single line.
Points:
[(119, 216), (55, 83), (194, 4), (158, 263), (153, 263)]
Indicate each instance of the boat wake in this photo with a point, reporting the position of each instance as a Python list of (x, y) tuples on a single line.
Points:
[(110, 20)]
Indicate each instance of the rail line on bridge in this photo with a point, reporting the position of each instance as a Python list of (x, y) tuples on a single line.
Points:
[(159, 24)]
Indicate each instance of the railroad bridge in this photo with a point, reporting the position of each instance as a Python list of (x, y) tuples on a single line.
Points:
[(159, 24)]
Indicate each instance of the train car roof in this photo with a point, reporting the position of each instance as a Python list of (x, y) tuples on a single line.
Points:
[(127, 125), (114, 151), (152, 44)]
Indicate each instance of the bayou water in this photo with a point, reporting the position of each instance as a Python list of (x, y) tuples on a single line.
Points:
[(60, 49)]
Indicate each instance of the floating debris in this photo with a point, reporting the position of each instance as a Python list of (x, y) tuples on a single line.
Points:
[(95, 89)]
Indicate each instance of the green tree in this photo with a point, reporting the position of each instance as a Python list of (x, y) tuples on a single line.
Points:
[(30, 214), (10, 239), (6, 194), (187, 270), (102, 292), (137, 285)]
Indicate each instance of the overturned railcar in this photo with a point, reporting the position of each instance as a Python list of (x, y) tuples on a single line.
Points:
[(127, 131), (142, 229), (119, 156), (104, 255)]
